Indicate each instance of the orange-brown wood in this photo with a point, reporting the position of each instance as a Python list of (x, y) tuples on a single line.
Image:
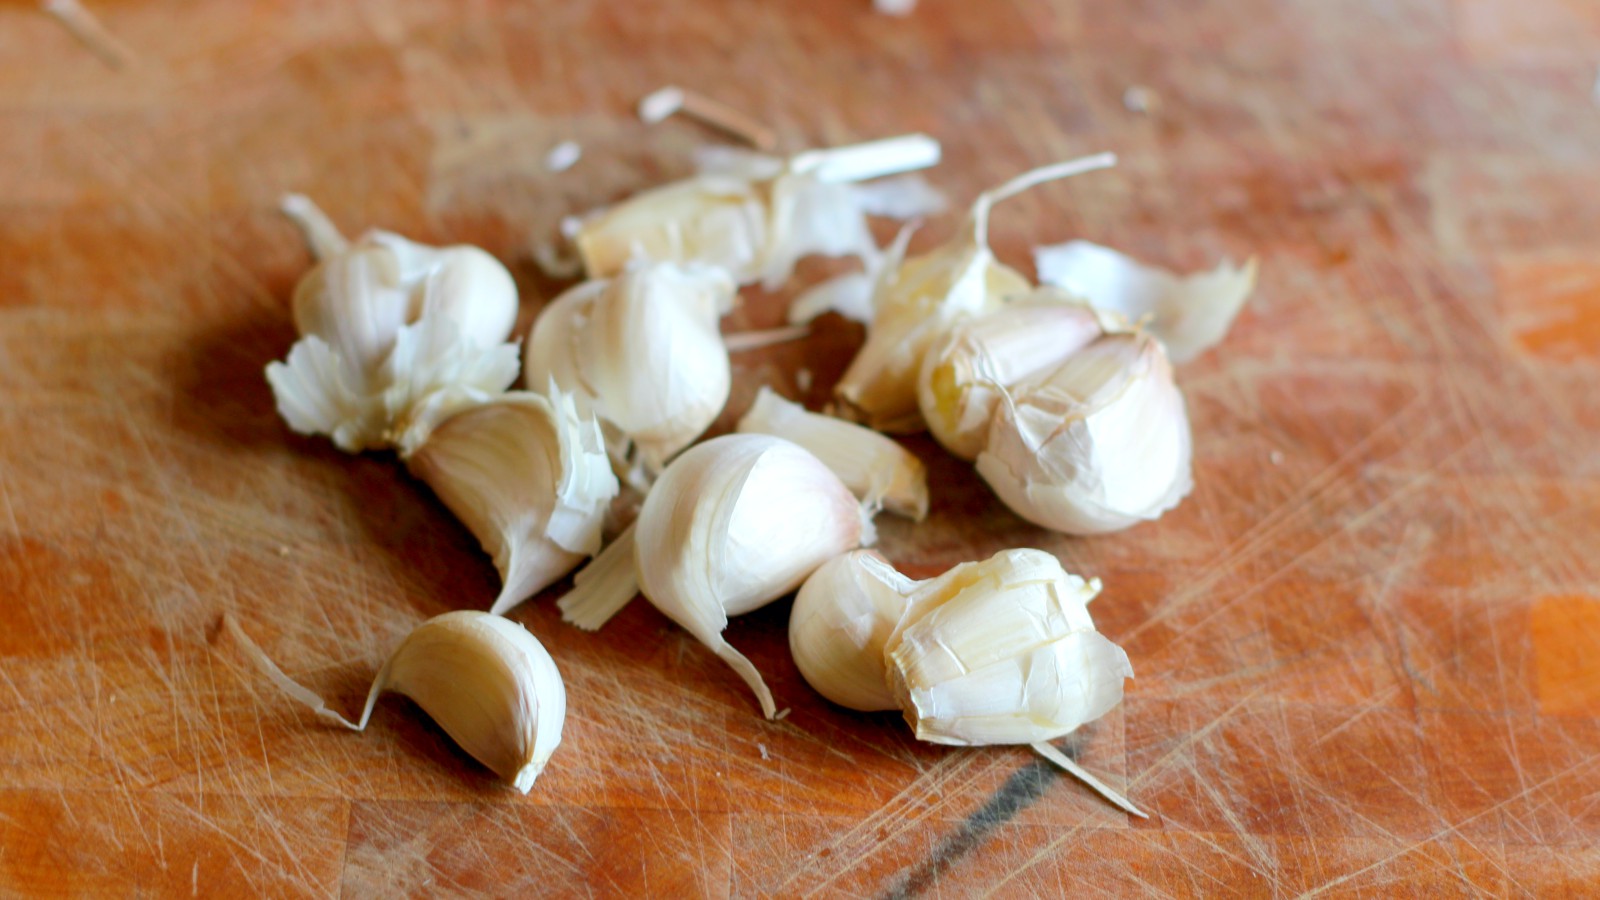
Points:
[(1365, 645)]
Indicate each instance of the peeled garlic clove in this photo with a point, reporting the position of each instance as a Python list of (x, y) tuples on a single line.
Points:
[(487, 682), (642, 351), (1098, 445), (916, 300), (964, 371), (733, 524), (842, 619), (1003, 652), (1189, 314), (875, 468), (528, 477)]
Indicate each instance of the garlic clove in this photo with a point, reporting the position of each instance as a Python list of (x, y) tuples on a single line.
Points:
[(1003, 651), (842, 618), (528, 477), (916, 300), (964, 372), (1190, 314), (733, 524), (1098, 445), (712, 219), (876, 469), (642, 352), (484, 679)]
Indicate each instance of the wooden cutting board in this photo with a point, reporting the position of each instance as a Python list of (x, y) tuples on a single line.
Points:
[(1365, 645)]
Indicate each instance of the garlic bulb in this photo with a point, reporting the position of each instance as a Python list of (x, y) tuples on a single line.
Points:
[(526, 474), (1099, 444), (731, 525), (839, 626), (875, 468), (383, 322), (1189, 314), (488, 683), (915, 300), (964, 372), (753, 225), (642, 352)]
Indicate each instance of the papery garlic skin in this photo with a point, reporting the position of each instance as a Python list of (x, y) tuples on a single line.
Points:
[(643, 352), (528, 476), (965, 370), (842, 618), (876, 469), (1003, 651), (1190, 314), (733, 524), (489, 684), (1100, 444)]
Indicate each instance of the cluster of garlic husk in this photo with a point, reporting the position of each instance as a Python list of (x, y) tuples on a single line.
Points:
[(753, 222), (731, 525), (916, 300), (385, 321), (528, 475), (1097, 444), (1189, 314), (875, 468), (484, 679), (642, 352)]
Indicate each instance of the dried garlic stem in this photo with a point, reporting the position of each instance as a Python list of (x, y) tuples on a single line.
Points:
[(86, 27), (872, 159), (603, 587), (670, 100), (1065, 762), (740, 341), (1030, 179), (322, 236)]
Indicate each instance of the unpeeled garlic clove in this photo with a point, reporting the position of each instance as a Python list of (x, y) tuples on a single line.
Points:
[(1190, 314), (876, 469), (357, 307), (841, 621), (1097, 445), (915, 300), (642, 352), (965, 370), (526, 474), (484, 679)]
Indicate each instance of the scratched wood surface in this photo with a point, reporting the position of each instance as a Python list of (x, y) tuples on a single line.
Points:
[(1366, 646)]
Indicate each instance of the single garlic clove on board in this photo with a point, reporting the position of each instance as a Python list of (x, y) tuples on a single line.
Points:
[(484, 679), (879, 471), (842, 618), (642, 352), (916, 300), (964, 372), (733, 524), (1098, 445), (526, 474), (1190, 314)]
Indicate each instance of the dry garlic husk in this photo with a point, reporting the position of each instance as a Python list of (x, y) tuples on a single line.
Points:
[(915, 300), (879, 471), (965, 370), (731, 525), (642, 352), (842, 619), (1189, 313), (484, 679), (1097, 445), (754, 225), (384, 321), (527, 474)]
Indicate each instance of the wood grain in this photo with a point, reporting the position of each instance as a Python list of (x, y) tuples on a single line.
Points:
[(1365, 645)]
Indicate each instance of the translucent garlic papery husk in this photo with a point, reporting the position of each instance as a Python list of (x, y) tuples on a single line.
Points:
[(841, 621), (915, 300), (964, 372), (876, 469), (1099, 444), (526, 474), (484, 679), (1190, 314), (383, 321), (754, 227), (642, 352), (731, 525)]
